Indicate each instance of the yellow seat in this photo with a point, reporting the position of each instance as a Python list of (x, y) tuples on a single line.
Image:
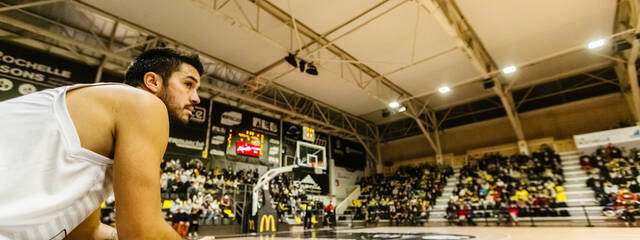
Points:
[(561, 197), (167, 203), (229, 213)]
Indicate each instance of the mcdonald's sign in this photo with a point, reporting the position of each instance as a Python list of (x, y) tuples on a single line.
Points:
[(266, 221)]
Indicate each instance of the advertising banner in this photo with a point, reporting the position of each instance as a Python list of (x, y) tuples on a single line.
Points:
[(190, 138), (24, 70), (629, 136)]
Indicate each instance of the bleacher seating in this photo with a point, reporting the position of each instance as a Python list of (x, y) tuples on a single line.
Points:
[(506, 188), (406, 196), (615, 180)]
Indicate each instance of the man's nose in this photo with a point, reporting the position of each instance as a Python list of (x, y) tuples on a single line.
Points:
[(195, 99)]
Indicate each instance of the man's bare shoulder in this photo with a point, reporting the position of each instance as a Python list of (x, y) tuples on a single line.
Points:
[(123, 98), (97, 111)]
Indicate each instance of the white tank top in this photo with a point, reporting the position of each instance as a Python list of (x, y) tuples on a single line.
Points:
[(49, 183)]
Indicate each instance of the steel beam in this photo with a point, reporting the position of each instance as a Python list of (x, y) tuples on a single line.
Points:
[(26, 5), (108, 47), (413, 114), (627, 16), (61, 39), (225, 92), (123, 58), (321, 39), (448, 15), (509, 107)]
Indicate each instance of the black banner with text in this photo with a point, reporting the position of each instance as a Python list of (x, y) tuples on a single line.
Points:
[(190, 138), (24, 70)]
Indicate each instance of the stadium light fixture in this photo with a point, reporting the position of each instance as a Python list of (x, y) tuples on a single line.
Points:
[(311, 69), (596, 44), (509, 69), (291, 59), (303, 65), (444, 89)]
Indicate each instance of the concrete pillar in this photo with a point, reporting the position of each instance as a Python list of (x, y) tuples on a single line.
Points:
[(379, 165), (332, 181), (439, 159), (522, 147)]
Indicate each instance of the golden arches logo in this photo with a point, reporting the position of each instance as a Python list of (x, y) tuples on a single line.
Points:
[(266, 221)]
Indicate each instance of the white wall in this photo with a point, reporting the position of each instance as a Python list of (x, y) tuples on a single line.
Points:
[(345, 179)]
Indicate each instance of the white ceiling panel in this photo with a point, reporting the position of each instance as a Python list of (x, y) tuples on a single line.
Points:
[(196, 25), (516, 31), (328, 89), (445, 70), (323, 16), (390, 39)]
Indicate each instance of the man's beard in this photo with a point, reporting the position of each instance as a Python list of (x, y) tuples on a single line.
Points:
[(174, 111)]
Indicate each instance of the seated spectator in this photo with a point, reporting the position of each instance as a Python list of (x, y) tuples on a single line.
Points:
[(180, 222), (609, 188), (586, 163), (194, 222)]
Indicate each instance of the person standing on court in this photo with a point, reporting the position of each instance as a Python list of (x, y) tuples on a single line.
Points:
[(65, 150)]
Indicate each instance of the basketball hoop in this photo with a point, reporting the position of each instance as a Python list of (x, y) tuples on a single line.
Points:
[(311, 156)]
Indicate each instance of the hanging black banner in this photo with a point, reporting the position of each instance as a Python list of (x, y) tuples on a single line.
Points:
[(190, 138), (348, 154), (24, 70)]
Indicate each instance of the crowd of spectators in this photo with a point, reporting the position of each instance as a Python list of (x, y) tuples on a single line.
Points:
[(404, 197), (508, 187), (287, 196), (291, 201), (193, 179), (192, 194), (615, 180), (198, 194)]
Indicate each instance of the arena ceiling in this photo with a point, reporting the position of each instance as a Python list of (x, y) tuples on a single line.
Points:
[(368, 53)]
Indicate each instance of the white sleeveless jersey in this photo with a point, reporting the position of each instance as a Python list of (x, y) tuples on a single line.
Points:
[(49, 183)]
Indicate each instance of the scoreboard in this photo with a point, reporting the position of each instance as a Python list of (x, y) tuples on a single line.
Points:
[(249, 143), (308, 134)]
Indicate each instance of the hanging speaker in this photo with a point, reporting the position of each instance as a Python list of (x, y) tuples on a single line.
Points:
[(488, 83)]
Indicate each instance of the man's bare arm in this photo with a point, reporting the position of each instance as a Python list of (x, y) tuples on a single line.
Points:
[(141, 134), (92, 228)]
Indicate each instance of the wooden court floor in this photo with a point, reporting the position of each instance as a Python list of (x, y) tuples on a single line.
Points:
[(462, 233)]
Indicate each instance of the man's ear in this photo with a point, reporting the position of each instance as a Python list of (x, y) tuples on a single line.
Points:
[(152, 82)]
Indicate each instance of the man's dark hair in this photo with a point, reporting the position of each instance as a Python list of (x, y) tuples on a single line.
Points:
[(162, 61)]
